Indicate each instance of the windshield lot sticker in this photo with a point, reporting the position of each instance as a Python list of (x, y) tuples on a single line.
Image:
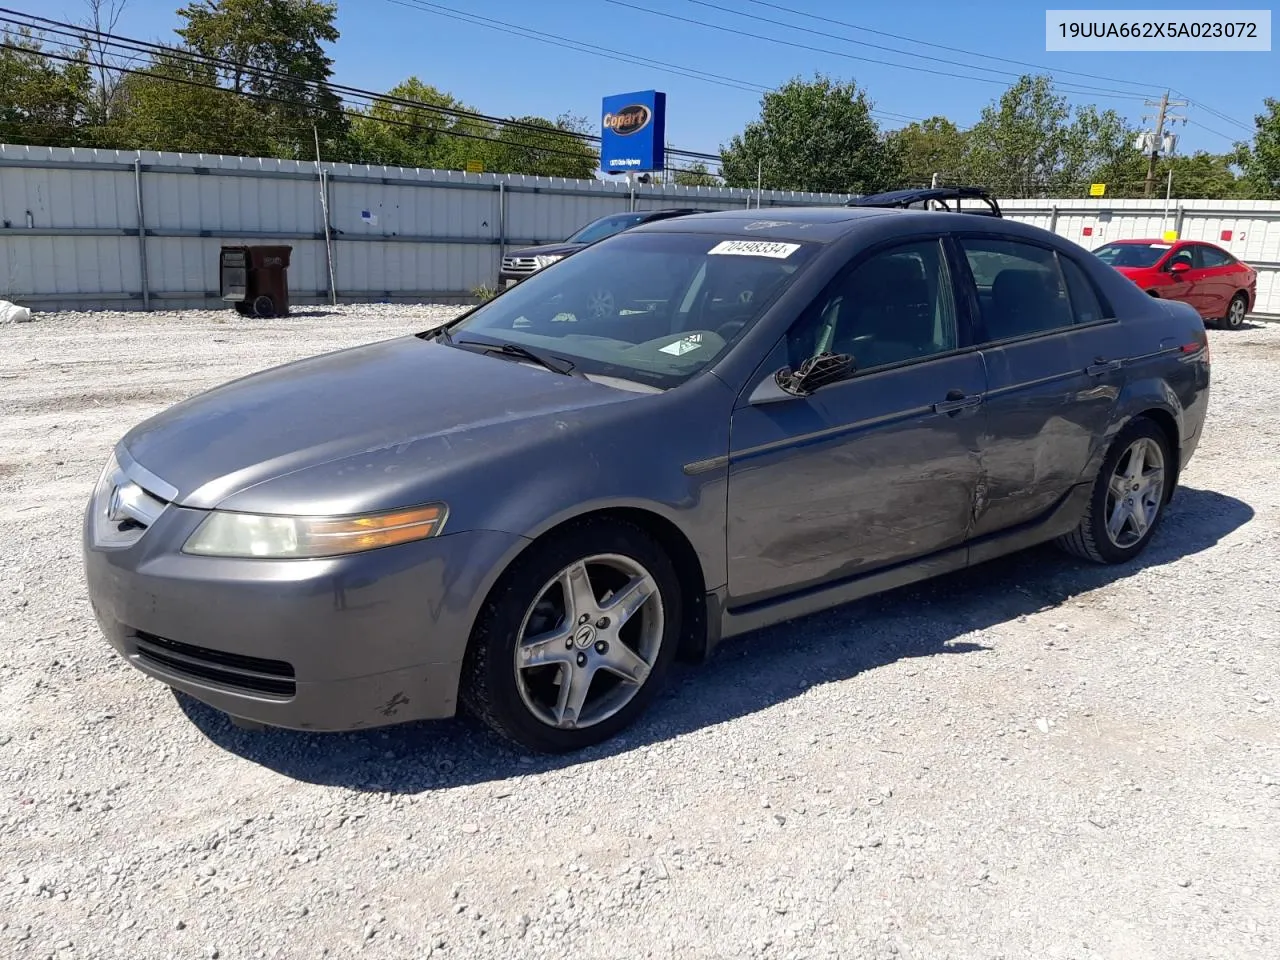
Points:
[(683, 345), (754, 248)]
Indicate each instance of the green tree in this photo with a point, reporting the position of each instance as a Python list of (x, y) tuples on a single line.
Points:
[(554, 149), (935, 145), (1031, 143), (813, 135), (43, 101), (274, 50), (1201, 176), (176, 105), (1261, 159), (406, 135), (695, 175)]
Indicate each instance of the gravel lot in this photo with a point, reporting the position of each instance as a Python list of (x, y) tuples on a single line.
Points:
[(1032, 759)]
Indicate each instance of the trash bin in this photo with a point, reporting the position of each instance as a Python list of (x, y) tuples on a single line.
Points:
[(256, 279)]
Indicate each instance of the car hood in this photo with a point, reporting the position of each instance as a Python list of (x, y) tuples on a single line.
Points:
[(400, 401), (546, 249)]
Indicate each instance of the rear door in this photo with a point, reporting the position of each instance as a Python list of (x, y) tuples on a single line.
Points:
[(1052, 353), (1218, 281)]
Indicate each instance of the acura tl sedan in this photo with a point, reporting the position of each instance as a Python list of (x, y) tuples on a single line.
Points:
[(531, 511)]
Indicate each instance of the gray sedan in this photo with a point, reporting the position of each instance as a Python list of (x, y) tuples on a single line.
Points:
[(533, 511)]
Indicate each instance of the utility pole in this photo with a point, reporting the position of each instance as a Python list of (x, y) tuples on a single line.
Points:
[(1154, 142)]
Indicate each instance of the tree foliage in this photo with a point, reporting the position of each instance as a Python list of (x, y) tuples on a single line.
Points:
[(254, 78), (274, 50), (815, 135), (43, 102), (1261, 160)]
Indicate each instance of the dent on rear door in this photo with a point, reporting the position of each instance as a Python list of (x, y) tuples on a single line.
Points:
[(1047, 417)]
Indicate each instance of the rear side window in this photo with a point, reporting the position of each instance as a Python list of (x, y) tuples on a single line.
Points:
[(1086, 306), (1213, 257), (1020, 288)]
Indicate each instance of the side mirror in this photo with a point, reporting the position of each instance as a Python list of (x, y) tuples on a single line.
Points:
[(1179, 266), (787, 384)]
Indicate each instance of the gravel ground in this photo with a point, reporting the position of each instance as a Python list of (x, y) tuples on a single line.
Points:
[(1032, 759)]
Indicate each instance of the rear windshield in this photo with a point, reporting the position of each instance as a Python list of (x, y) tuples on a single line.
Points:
[(1131, 254), (606, 227), (655, 308)]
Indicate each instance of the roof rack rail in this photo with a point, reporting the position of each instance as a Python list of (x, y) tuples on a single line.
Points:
[(933, 198)]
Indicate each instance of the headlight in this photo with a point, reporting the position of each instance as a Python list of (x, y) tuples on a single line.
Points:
[(547, 259), (266, 536)]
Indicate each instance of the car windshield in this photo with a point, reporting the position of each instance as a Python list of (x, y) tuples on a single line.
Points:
[(605, 227), (1131, 254), (649, 308)]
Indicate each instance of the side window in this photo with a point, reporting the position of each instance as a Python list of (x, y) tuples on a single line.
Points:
[(1020, 288), (1183, 255), (1086, 307), (1213, 257), (898, 304)]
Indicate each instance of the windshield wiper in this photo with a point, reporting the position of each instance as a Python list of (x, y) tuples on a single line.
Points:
[(554, 364)]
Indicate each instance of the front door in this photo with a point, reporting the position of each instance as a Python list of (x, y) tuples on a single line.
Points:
[(876, 469), (1053, 357)]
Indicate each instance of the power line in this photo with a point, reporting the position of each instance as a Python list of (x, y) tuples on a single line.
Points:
[(609, 53), (833, 53), (81, 34), (973, 53), (150, 74), (942, 46), (905, 53)]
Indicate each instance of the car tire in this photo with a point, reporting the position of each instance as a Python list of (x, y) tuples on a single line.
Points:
[(1105, 535), (519, 688), (1236, 312)]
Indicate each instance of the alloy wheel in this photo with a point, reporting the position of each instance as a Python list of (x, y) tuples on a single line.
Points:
[(1135, 493), (589, 641), (1235, 313)]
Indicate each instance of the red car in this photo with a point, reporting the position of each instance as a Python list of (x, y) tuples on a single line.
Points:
[(1218, 285)]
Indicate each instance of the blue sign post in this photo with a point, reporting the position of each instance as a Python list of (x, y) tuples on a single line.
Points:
[(633, 132)]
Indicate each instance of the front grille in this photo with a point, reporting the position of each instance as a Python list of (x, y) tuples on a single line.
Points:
[(519, 265), (274, 678)]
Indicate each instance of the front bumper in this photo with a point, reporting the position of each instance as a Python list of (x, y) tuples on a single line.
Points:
[(506, 279), (340, 644)]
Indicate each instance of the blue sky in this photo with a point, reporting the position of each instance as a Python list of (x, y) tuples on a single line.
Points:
[(384, 41)]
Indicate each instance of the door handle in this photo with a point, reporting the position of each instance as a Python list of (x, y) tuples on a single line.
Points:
[(956, 401), (1100, 366)]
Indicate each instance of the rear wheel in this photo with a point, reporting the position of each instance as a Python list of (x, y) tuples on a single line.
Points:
[(1128, 497), (1236, 312), (574, 641)]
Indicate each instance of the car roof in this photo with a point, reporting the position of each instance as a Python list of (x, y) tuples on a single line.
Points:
[(817, 224)]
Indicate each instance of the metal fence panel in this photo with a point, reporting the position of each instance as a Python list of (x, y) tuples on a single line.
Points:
[(69, 221)]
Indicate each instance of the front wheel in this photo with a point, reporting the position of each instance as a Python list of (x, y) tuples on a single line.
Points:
[(575, 639), (1236, 312), (1128, 497)]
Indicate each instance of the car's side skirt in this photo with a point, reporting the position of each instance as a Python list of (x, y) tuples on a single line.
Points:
[(1060, 519)]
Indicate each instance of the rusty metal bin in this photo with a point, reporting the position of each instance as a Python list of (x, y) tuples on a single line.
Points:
[(256, 279)]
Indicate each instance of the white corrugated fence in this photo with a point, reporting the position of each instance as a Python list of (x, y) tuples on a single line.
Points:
[(115, 229)]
